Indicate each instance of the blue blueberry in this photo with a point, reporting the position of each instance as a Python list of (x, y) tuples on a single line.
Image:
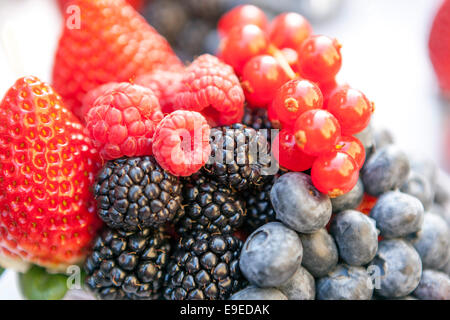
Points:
[(432, 242), (425, 167), (298, 204), (271, 255), (397, 214), (350, 200), (255, 293), (396, 268), (442, 188), (345, 282), (385, 170), (383, 137), (301, 286), (420, 187), (356, 237), (433, 285), (320, 254), (368, 140)]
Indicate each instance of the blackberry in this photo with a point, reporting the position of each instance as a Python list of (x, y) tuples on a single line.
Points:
[(204, 266), (128, 265), (207, 9), (259, 208), (168, 17), (256, 118), (136, 193), (210, 206), (239, 157)]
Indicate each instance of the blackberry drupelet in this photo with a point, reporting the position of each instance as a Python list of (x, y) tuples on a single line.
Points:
[(136, 193), (256, 118), (239, 156), (204, 266), (259, 208), (210, 206), (128, 265)]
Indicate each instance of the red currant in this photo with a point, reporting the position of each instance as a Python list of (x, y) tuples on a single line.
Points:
[(294, 98), (273, 117), (353, 147), (288, 155), (241, 45), (317, 132), (334, 173), (320, 58), (261, 78), (289, 30), (352, 108), (240, 16), (367, 203), (291, 57)]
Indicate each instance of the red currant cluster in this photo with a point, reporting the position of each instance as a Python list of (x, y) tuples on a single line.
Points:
[(288, 70)]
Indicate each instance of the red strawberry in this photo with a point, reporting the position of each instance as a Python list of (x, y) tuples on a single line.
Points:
[(137, 4), (113, 44), (47, 165), (439, 46)]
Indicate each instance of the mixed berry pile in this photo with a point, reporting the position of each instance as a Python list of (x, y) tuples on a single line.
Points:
[(168, 181)]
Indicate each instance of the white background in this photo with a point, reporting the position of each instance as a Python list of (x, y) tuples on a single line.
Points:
[(384, 51)]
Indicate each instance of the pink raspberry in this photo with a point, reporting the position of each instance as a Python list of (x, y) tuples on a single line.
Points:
[(165, 85), (208, 82), (92, 95), (181, 142), (122, 121)]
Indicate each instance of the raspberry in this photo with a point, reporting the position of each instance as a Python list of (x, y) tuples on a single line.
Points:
[(91, 96), (122, 121), (181, 142), (164, 84), (208, 82)]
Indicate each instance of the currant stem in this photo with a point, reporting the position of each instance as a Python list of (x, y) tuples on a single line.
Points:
[(279, 56)]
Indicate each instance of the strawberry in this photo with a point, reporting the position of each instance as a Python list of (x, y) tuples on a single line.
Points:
[(439, 46), (113, 44), (47, 165), (137, 4)]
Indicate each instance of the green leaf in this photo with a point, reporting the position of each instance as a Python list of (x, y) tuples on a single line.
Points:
[(1, 271), (38, 284)]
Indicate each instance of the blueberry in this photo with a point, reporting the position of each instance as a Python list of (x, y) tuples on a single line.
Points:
[(345, 282), (298, 204), (442, 210), (446, 267), (383, 137), (398, 266), (432, 242), (271, 255), (367, 139), (397, 214), (420, 187), (387, 169), (320, 254), (350, 200), (356, 237), (433, 285), (442, 188), (300, 286), (425, 167), (255, 293)]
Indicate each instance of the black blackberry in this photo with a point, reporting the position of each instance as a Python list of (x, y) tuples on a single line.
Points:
[(259, 208), (136, 193), (168, 17), (239, 156), (210, 206), (256, 118), (128, 265), (207, 9), (204, 266)]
